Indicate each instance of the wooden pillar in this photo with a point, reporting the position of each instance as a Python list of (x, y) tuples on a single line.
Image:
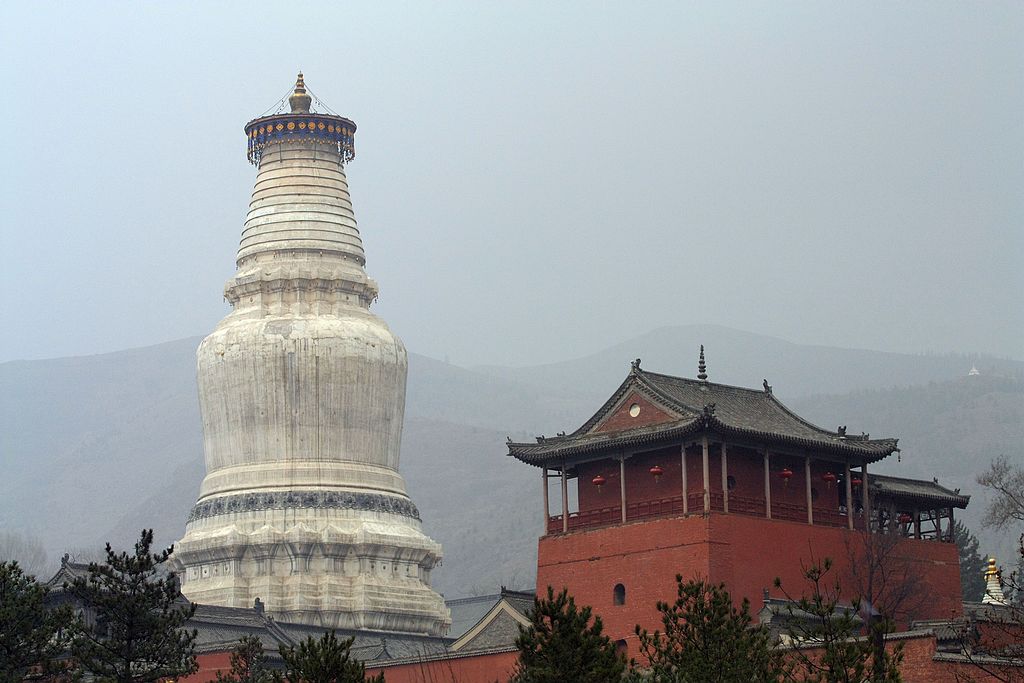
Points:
[(807, 482), (767, 487), (622, 487), (950, 537), (707, 475), (849, 498), (686, 487), (547, 505), (865, 498), (725, 480), (917, 523), (565, 501)]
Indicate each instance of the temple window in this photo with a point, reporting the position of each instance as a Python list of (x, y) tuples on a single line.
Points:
[(619, 594)]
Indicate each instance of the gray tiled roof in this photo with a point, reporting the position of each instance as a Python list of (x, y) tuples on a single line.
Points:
[(502, 631), (898, 487), (467, 612), (748, 413)]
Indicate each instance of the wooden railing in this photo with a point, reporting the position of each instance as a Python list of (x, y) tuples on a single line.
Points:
[(668, 507)]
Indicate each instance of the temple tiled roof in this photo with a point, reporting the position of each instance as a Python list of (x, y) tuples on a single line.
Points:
[(699, 405), (917, 489)]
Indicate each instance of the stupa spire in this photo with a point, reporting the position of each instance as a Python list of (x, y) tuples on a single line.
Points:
[(702, 367), (300, 100)]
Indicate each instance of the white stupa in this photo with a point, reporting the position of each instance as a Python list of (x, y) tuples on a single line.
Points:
[(993, 585), (302, 393)]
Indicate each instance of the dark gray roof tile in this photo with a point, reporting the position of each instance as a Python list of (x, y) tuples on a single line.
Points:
[(749, 413)]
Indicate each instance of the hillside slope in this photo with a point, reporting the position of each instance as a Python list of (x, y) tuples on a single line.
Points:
[(745, 358), (95, 448)]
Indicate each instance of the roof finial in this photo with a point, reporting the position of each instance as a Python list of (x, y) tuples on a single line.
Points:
[(300, 100), (634, 367), (702, 368), (993, 585)]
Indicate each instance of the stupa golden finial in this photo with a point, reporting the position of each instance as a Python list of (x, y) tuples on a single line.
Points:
[(300, 100), (993, 585), (991, 569)]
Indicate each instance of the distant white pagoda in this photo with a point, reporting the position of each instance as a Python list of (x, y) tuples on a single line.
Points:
[(302, 393), (993, 585), (974, 371)]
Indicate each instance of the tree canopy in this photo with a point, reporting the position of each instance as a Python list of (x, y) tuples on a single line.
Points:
[(324, 660), (248, 663), (31, 637), (561, 644), (706, 638), (1006, 481), (972, 564), (134, 628)]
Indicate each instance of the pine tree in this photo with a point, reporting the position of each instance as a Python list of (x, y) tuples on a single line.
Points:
[(327, 660), (972, 565), (706, 638), (562, 645), (137, 634), (248, 663), (31, 637)]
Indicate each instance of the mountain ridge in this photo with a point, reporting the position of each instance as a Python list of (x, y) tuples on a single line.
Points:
[(73, 430)]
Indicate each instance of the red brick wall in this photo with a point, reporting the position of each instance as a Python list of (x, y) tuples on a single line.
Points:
[(621, 419), (751, 552), (746, 553), (918, 667), (643, 556), (209, 664), (485, 668)]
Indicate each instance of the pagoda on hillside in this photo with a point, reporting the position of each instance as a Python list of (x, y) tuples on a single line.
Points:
[(676, 475)]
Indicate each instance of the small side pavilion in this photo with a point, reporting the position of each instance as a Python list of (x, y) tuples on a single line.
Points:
[(665, 446)]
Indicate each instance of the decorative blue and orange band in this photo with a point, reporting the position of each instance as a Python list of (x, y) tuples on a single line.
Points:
[(301, 128)]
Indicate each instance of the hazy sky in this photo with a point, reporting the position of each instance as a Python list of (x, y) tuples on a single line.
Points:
[(533, 181)]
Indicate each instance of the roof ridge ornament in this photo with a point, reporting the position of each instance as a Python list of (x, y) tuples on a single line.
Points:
[(767, 387), (634, 367), (702, 367)]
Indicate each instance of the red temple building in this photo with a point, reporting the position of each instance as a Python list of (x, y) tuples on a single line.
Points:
[(684, 476)]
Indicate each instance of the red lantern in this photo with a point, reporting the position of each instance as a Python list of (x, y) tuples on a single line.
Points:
[(598, 481), (829, 478), (786, 475), (905, 518), (656, 472), (856, 481)]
